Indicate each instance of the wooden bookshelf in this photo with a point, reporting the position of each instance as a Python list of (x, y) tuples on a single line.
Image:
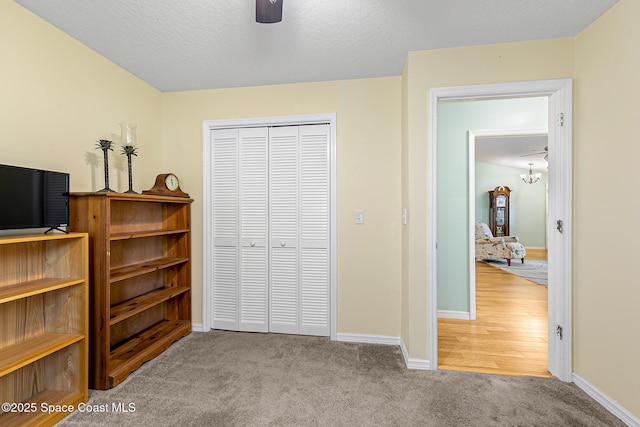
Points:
[(43, 325), (145, 345), (140, 247), (133, 306)]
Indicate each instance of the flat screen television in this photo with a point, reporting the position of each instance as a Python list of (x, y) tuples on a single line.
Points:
[(33, 198)]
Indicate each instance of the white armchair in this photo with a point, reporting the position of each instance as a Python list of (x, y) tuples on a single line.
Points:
[(489, 247)]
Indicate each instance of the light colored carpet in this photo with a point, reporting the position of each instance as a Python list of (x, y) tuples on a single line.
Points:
[(223, 378), (534, 270)]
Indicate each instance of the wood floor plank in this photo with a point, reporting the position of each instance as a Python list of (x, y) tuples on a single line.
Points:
[(509, 335)]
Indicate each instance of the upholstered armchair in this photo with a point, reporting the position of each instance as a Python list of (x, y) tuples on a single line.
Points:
[(489, 247)]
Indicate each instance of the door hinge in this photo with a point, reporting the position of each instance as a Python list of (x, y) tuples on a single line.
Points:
[(560, 119), (559, 331)]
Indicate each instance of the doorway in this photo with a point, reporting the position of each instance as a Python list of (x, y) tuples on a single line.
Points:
[(506, 330), (500, 157), (559, 115)]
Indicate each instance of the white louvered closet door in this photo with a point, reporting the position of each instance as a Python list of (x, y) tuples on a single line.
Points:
[(254, 216), (224, 162), (283, 186), (271, 258), (240, 220), (299, 228), (314, 230)]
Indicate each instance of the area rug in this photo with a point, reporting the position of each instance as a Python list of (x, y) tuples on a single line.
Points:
[(534, 270)]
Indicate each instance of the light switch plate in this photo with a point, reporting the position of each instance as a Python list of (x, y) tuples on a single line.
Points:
[(404, 216), (359, 216)]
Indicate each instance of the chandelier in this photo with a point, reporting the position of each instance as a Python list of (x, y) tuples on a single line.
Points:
[(531, 178)]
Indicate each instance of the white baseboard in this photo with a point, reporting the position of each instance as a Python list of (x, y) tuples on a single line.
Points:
[(610, 404), (197, 327), (412, 363), (450, 314), (368, 339), (387, 340)]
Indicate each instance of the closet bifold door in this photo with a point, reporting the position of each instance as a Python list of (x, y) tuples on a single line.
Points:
[(299, 229), (254, 216), (224, 162), (240, 218), (283, 242), (314, 230)]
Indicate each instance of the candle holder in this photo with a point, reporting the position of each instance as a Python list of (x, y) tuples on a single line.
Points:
[(105, 145), (129, 151), (128, 133)]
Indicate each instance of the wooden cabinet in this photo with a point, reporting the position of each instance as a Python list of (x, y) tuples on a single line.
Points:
[(140, 267), (499, 211), (43, 326)]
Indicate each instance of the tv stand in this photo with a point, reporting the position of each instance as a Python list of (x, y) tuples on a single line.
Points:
[(44, 339), (56, 228)]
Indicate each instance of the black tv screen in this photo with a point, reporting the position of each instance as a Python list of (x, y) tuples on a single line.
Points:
[(33, 198)]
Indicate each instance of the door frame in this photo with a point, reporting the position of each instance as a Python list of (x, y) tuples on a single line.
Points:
[(473, 134), (207, 203), (560, 209)]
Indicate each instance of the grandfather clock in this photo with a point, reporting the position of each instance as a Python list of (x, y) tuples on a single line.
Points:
[(499, 211)]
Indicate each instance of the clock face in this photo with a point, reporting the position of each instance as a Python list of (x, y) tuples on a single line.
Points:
[(171, 181)]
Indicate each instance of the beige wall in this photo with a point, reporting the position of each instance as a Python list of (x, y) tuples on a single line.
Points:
[(57, 97), (452, 67), (607, 204), (368, 178)]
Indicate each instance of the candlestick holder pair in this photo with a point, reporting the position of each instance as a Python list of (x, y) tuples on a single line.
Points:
[(128, 138)]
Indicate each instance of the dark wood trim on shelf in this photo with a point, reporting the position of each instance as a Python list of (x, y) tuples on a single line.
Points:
[(145, 267), (150, 233), (133, 306), (136, 197)]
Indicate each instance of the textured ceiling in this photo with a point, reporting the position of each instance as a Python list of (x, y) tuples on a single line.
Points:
[(513, 151), (177, 45)]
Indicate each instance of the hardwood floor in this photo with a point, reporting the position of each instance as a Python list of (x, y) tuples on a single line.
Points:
[(509, 335)]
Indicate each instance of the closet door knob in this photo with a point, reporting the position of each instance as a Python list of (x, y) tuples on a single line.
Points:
[(283, 243), (253, 244)]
